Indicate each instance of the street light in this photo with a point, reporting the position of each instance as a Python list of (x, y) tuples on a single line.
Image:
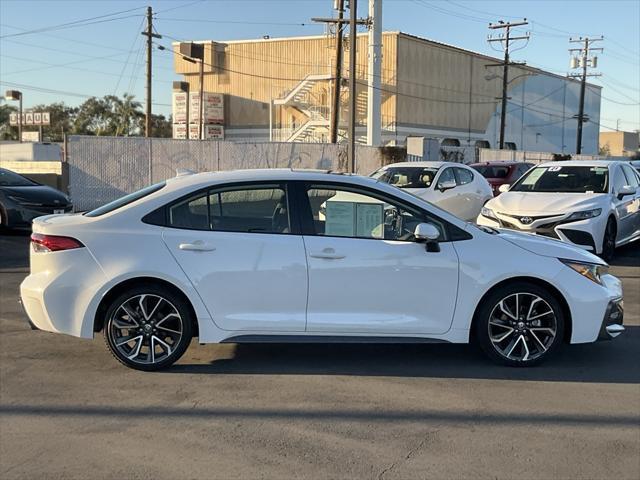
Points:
[(16, 95)]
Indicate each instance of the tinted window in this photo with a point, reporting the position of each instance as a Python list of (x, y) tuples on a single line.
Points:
[(341, 212), (566, 179), (259, 210), (192, 213), (406, 177), (126, 200), (446, 176), (493, 171), (619, 180), (632, 179), (464, 176), (11, 179)]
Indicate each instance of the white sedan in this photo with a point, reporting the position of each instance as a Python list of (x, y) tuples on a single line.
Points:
[(592, 204), (245, 256), (454, 187)]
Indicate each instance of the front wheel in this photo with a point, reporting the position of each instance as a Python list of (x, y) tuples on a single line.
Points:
[(148, 328), (520, 325)]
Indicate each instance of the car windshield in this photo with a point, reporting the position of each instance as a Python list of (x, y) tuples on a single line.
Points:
[(406, 177), (10, 179), (564, 179), (493, 171), (126, 200)]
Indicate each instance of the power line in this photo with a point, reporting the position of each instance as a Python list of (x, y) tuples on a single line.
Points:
[(238, 22)]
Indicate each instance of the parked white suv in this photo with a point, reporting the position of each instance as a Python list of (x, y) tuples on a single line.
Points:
[(454, 187), (592, 204), (253, 256)]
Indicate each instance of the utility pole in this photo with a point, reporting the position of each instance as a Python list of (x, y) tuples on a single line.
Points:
[(150, 36), (353, 40), (340, 22), (337, 74), (374, 70), (584, 62), (507, 39)]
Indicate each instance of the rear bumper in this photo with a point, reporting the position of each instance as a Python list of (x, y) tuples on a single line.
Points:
[(612, 323)]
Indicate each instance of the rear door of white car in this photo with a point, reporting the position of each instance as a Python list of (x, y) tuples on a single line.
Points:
[(626, 206), (238, 246), (366, 274), (634, 207)]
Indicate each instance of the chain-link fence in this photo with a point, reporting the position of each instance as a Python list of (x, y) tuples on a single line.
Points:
[(102, 169)]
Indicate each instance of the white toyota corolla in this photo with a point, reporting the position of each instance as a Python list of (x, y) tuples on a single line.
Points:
[(454, 187), (592, 204), (247, 256)]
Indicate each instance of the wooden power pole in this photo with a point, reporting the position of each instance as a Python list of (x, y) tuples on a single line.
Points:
[(150, 36)]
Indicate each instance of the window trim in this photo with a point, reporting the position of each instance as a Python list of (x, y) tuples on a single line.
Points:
[(302, 208), (294, 225)]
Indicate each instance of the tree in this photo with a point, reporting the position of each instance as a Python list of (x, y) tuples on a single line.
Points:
[(7, 132), (61, 120), (604, 150)]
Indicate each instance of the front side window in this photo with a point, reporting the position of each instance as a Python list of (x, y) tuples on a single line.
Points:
[(11, 179), (406, 177), (350, 213), (632, 178), (446, 176), (564, 179), (464, 176), (260, 209)]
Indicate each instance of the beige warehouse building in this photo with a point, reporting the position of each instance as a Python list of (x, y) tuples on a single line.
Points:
[(280, 89)]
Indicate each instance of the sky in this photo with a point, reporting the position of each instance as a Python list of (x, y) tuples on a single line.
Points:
[(52, 52)]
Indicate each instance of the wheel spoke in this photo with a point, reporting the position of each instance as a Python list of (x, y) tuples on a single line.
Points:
[(137, 348), (160, 300), (513, 345), (533, 334), (503, 336), (129, 314), (171, 315), (540, 315), (125, 340), (531, 305), (506, 311), (169, 330), (164, 344), (526, 348)]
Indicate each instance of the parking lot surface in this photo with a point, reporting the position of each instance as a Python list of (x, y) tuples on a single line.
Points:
[(69, 410)]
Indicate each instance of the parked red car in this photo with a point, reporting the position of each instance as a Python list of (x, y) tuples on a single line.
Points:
[(499, 173)]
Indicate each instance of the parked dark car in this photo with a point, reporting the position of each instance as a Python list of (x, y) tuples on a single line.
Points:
[(22, 200), (500, 173)]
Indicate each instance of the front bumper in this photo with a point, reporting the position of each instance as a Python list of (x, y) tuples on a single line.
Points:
[(612, 323), (585, 234)]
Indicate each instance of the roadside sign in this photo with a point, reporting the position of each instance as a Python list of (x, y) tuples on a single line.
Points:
[(28, 118), (46, 118), (13, 119), (31, 118)]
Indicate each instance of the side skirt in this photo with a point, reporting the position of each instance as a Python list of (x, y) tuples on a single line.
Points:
[(327, 339)]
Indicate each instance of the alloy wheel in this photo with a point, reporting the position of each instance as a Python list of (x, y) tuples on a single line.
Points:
[(146, 329), (522, 327)]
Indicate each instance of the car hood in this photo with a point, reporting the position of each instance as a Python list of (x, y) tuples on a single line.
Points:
[(535, 203), (548, 247), (37, 194)]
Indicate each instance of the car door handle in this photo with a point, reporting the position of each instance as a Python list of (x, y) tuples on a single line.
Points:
[(327, 254), (197, 246)]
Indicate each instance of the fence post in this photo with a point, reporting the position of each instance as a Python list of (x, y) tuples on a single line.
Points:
[(150, 160)]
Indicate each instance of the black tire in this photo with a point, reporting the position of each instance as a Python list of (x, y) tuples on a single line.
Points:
[(538, 342), (157, 322), (609, 241)]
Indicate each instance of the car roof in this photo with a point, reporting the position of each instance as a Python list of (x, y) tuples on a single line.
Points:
[(425, 164), (498, 163), (579, 163)]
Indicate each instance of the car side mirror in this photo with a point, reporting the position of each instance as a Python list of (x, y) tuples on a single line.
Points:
[(446, 185), (626, 190), (429, 234), (504, 188)]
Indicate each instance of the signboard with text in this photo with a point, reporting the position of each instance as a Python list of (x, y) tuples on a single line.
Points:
[(31, 118)]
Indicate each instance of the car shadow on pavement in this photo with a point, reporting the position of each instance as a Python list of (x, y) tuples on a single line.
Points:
[(603, 362)]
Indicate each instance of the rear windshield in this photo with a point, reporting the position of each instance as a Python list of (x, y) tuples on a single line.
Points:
[(11, 179), (564, 180), (126, 200), (493, 171), (407, 177)]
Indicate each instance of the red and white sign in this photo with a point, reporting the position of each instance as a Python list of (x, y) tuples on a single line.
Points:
[(212, 110), (179, 107), (213, 132), (31, 118), (180, 131)]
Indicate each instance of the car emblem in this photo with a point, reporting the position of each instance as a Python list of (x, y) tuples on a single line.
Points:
[(526, 220), (56, 201)]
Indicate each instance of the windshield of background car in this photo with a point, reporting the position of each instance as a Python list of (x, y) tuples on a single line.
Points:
[(407, 177), (493, 171), (10, 179), (563, 179), (126, 200)]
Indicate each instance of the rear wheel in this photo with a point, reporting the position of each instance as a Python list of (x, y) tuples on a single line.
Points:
[(609, 241), (520, 325), (148, 328)]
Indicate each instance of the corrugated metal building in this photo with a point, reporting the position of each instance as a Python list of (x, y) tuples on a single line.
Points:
[(280, 88)]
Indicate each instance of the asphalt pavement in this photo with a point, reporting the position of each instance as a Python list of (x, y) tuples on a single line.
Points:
[(69, 410)]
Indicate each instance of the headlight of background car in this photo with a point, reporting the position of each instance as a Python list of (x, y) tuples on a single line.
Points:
[(585, 214), (593, 271), (24, 202), (487, 212)]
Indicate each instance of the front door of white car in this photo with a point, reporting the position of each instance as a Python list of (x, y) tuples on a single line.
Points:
[(634, 206), (236, 247), (626, 205), (447, 195), (366, 274)]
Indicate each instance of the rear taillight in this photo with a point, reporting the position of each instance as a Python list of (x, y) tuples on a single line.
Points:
[(53, 243)]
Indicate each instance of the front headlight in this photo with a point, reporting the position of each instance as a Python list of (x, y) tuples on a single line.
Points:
[(24, 202), (593, 271), (487, 212), (585, 214)]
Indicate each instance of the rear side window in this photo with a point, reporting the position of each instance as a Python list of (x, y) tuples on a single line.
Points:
[(126, 200), (261, 209), (464, 176)]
